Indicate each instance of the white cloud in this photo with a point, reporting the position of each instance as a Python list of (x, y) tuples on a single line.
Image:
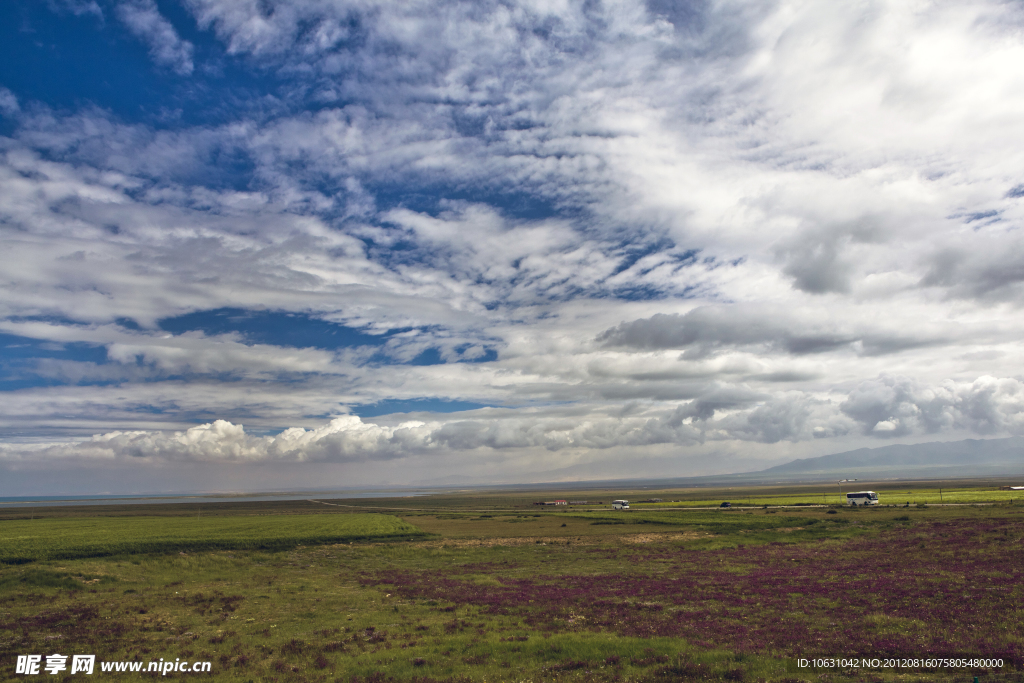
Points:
[(143, 19), (894, 406), (8, 102), (776, 224), (77, 7), (348, 438), (886, 407)]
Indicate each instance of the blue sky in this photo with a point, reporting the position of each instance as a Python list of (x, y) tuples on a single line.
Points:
[(255, 245)]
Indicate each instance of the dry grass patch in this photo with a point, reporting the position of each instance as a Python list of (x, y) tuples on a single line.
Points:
[(662, 537)]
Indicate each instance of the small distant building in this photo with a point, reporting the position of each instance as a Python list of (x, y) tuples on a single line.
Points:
[(578, 502), (552, 502), (1011, 488)]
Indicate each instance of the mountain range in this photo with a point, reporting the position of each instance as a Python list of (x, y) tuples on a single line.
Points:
[(936, 460)]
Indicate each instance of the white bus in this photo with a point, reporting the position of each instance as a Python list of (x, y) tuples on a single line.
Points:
[(862, 498), (620, 505)]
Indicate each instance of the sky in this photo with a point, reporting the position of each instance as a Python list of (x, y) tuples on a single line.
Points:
[(272, 244)]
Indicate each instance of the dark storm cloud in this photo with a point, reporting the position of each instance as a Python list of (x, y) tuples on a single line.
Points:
[(993, 275), (708, 329)]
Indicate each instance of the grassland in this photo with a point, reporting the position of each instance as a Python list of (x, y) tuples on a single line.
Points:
[(493, 589), (62, 539), (831, 496)]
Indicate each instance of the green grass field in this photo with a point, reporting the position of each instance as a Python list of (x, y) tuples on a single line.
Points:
[(55, 538), (471, 590)]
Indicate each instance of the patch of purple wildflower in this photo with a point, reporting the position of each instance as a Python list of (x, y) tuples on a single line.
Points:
[(945, 588)]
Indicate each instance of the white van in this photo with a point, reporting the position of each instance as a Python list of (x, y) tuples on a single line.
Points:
[(620, 505), (862, 498)]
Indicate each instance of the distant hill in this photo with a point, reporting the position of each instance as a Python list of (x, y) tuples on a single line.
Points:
[(968, 458)]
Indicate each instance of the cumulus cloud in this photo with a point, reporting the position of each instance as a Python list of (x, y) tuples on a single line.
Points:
[(897, 406), (143, 19), (788, 416), (344, 438), (886, 407), (348, 438)]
